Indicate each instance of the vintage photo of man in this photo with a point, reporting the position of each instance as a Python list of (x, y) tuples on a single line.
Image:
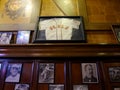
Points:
[(56, 87), (114, 73), (89, 73), (13, 73), (21, 87), (80, 87), (46, 73)]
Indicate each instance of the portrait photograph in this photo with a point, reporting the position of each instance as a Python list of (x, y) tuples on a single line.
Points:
[(13, 72), (23, 37), (5, 37), (22, 87), (116, 88), (80, 87), (89, 73), (46, 73), (56, 87), (114, 74)]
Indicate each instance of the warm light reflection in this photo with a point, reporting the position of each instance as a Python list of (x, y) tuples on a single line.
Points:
[(28, 6)]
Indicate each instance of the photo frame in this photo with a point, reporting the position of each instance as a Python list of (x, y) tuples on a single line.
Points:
[(19, 14), (22, 87), (114, 74), (59, 29), (46, 73), (56, 86), (5, 37), (23, 37), (89, 73), (116, 31), (13, 72), (80, 87), (116, 88)]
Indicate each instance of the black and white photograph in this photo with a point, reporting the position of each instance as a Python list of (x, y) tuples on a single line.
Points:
[(116, 88), (5, 37), (80, 87), (46, 73), (56, 87), (89, 73), (22, 87), (13, 72), (114, 74), (60, 29), (23, 37)]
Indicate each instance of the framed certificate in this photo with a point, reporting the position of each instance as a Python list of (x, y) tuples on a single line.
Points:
[(60, 29)]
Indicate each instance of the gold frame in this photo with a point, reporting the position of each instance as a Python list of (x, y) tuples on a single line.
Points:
[(6, 22)]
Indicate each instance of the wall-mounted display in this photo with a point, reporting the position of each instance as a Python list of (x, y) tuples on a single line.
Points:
[(60, 29), (5, 37), (80, 87), (21, 87), (89, 73), (23, 37), (19, 14), (13, 72), (116, 31), (46, 73), (56, 87), (114, 74), (116, 88)]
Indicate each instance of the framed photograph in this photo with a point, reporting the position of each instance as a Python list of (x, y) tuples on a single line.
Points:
[(60, 29), (56, 87), (46, 73), (13, 72), (80, 87), (0, 66), (116, 88), (89, 73), (116, 31), (19, 14), (22, 87), (5, 37), (23, 37), (114, 74)]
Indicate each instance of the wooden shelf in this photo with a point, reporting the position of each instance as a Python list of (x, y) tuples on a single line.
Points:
[(60, 50)]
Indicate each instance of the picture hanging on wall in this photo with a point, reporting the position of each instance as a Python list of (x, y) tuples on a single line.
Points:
[(22, 87), (13, 72), (5, 37), (46, 73), (59, 29), (23, 37)]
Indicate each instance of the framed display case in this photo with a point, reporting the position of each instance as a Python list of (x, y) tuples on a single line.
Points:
[(59, 29)]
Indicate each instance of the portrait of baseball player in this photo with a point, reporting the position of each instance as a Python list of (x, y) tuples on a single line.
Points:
[(56, 87), (13, 72), (114, 74), (46, 73), (89, 73), (21, 87), (80, 87)]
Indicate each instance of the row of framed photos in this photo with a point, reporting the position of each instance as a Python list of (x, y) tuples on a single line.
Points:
[(47, 73), (56, 87), (23, 37)]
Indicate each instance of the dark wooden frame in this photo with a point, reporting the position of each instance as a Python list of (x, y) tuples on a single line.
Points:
[(96, 70), (116, 30), (19, 73), (39, 72), (78, 36)]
